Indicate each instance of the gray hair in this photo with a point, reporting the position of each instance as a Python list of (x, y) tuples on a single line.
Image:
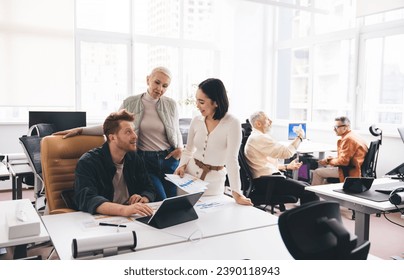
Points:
[(256, 116), (162, 69), (344, 120)]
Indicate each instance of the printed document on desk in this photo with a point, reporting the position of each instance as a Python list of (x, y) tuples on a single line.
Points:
[(188, 183)]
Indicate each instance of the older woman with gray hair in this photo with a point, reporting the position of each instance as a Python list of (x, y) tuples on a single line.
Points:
[(157, 127)]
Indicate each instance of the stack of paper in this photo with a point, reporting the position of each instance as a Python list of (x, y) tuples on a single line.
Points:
[(188, 183)]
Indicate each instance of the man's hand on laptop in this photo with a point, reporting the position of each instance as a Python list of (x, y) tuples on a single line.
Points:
[(138, 208), (137, 199)]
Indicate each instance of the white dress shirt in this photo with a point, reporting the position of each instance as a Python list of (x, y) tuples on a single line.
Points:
[(262, 153), (220, 147)]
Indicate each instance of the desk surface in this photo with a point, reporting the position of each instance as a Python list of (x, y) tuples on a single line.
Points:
[(224, 218), (20, 169), (257, 244), (309, 146), (328, 190), (363, 207), (4, 174), (10, 206)]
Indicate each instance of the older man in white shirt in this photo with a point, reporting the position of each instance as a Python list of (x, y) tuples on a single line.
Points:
[(262, 153)]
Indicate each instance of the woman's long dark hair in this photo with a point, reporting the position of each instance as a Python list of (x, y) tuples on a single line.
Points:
[(215, 90)]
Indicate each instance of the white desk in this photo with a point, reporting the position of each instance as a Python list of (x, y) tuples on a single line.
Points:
[(4, 174), (20, 243), (222, 220), (257, 244), (363, 207), (310, 147), (17, 172)]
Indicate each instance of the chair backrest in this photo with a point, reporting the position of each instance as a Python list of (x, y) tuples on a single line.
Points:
[(314, 231), (245, 172), (246, 176), (31, 146), (59, 158), (368, 168)]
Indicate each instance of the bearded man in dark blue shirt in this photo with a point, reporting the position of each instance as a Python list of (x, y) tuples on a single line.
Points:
[(112, 179)]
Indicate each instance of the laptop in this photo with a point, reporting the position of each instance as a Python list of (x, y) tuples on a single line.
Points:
[(292, 130), (357, 185), (360, 187), (173, 211)]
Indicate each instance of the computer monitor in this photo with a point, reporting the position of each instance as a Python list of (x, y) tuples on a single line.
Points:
[(399, 170), (61, 120), (292, 130)]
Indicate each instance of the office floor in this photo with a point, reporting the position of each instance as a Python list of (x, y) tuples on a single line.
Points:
[(386, 237)]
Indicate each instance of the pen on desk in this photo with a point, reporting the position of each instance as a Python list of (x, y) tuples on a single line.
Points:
[(111, 225)]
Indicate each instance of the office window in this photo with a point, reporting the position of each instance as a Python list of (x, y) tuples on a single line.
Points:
[(205, 61), (103, 77), (294, 23), (157, 18), (103, 53), (340, 16), (148, 56), (332, 80), (385, 17), (293, 83), (383, 80), (115, 57), (338, 68), (104, 15), (36, 57)]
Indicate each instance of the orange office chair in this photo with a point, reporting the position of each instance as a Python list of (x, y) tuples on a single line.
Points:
[(59, 158)]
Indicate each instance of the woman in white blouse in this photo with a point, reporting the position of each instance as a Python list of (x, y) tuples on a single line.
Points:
[(213, 143)]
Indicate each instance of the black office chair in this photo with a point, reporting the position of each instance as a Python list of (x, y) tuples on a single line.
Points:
[(368, 168), (314, 231), (31, 147), (252, 188)]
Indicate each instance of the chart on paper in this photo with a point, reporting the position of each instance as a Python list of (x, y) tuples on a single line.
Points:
[(188, 183)]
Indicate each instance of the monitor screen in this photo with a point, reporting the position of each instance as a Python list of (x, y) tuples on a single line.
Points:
[(292, 130), (60, 120)]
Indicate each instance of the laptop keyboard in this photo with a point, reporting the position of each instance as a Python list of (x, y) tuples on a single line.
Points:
[(144, 219)]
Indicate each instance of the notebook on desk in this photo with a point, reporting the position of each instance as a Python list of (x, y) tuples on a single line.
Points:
[(173, 211), (360, 187)]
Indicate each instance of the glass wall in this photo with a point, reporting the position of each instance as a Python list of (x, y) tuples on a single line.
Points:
[(332, 63)]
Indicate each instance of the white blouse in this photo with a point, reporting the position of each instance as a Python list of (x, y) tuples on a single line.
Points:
[(220, 147)]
